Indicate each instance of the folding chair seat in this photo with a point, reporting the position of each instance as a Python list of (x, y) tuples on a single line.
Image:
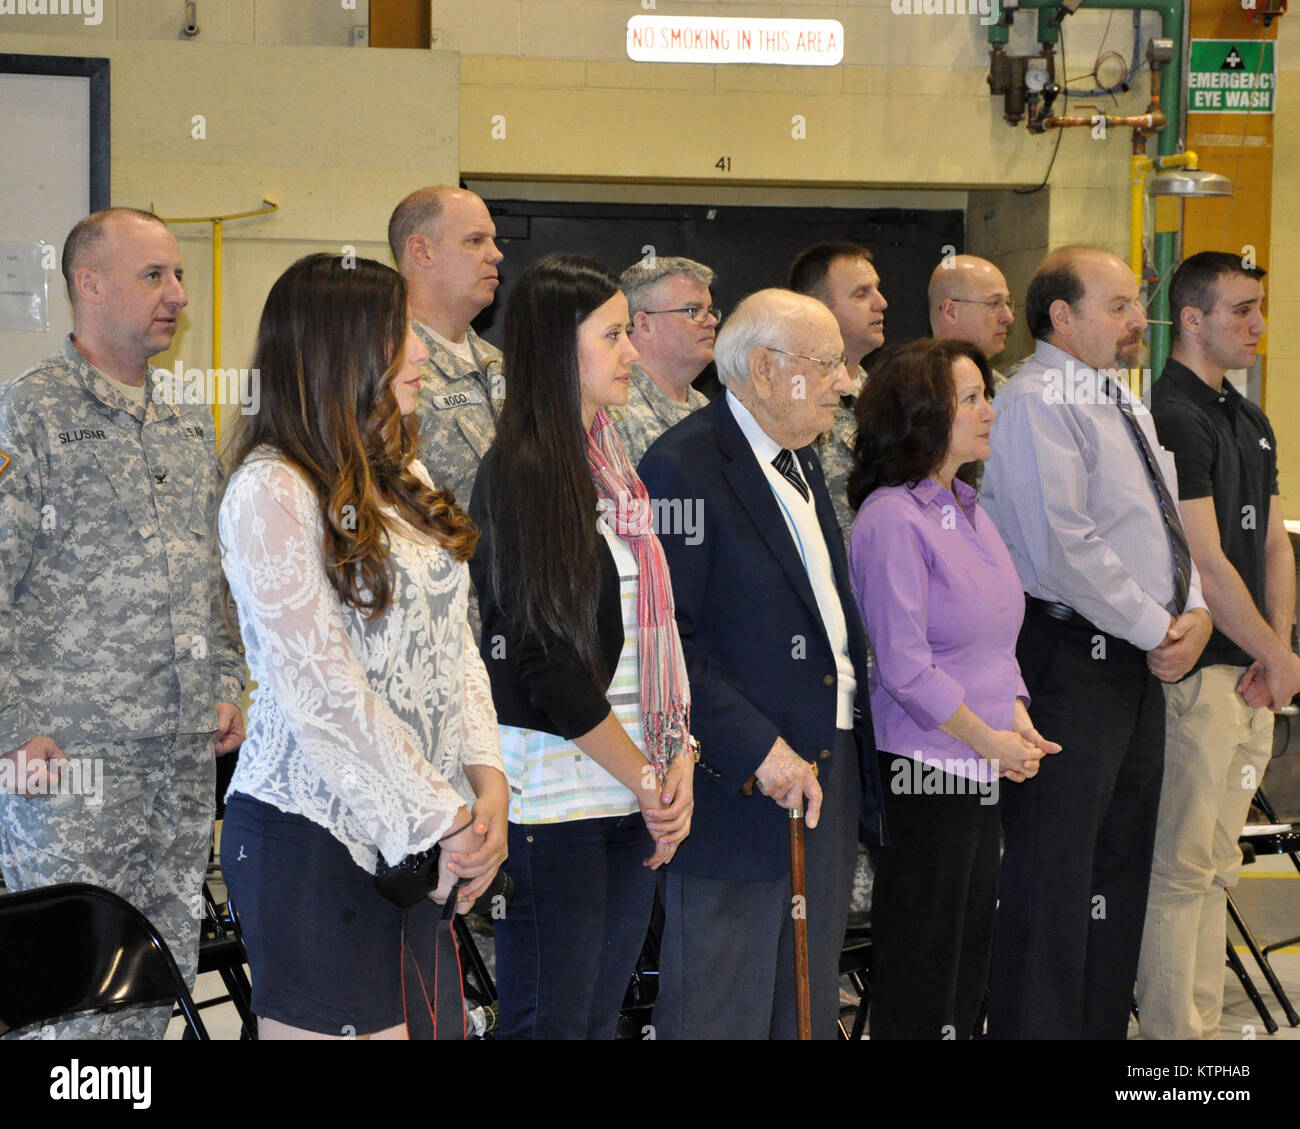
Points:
[(70, 949)]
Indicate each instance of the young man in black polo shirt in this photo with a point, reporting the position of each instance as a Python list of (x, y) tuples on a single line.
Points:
[(1219, 725)]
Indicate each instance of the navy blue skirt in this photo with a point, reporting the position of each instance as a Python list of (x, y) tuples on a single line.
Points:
[(324, 947)]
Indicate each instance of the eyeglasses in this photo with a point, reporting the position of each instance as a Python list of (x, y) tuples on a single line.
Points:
[(993, 305), (697, 314), (828, 367)]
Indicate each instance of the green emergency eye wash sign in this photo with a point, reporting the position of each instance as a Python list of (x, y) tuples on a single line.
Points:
[(1232, 76)]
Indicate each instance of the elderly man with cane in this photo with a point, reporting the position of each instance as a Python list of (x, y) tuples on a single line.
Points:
[(779, 698)]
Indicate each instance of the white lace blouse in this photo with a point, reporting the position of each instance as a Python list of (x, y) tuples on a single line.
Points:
[(362, 727)]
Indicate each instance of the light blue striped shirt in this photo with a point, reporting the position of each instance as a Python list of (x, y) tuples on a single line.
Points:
[(1070, 494)]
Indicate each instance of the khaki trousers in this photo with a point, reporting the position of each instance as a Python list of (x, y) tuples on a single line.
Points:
[(1216, 750)]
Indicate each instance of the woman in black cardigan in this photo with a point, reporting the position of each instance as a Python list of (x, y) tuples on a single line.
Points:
[(581, 645)]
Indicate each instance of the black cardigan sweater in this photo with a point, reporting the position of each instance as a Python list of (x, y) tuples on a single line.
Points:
[(539, 682)]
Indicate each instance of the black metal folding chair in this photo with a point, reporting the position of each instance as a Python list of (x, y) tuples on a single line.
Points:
[(221, 945), (1276, 843), (221, 950), (72, 949), (636, 1016), (1252, 993), (855, 963), (1283, 843)]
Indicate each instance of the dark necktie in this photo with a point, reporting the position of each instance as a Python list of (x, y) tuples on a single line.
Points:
[(784, 462), (1182, 554)]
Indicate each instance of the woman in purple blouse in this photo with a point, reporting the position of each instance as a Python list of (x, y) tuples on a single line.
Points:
[(943, 606)]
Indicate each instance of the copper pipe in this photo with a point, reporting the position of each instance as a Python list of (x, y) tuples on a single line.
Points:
[(1151, 121)]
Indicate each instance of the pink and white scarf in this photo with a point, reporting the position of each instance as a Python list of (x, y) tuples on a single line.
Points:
[(625, 505)]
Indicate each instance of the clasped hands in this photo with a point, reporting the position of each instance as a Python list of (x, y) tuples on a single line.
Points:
[(473, 855), (1017, 752), (667, 805), (1181, 646)]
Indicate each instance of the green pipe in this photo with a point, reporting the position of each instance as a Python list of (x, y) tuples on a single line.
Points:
[(1048, 33), (1171, 101)]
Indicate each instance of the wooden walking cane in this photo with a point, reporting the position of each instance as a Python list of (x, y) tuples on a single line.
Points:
[(799, 898), (802, 990)]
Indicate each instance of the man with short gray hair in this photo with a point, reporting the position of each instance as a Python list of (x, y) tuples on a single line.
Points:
[(674, 323), (776, 655)]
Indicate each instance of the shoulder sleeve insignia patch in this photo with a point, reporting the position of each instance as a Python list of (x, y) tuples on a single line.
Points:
[(4, 462)]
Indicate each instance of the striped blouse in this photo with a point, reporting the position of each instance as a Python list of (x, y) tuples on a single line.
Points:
[(551, 779)]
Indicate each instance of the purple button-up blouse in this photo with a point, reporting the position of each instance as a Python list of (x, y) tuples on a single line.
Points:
[(943, 605)]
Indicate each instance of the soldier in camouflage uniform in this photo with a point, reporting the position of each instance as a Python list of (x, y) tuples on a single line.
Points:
[(673, 327), (835, 450), (842, 277), (113, 649), (443, 242), (458, 405)]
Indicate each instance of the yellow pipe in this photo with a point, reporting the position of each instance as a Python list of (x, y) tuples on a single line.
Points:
[(216, 325), (268, 206), (1139, 166)]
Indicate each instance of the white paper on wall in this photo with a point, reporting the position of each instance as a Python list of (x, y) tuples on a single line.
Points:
[(25, 287)]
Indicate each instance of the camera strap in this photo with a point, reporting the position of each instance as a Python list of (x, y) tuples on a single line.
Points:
[(437, 998)]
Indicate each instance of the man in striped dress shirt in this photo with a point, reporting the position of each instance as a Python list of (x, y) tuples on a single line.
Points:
[(1085, 499)]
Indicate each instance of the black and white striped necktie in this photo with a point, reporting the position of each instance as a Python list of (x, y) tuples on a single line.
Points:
[(784, 462)]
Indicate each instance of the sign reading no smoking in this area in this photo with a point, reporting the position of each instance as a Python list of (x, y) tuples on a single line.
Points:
[(1232, 76), (724, 39)]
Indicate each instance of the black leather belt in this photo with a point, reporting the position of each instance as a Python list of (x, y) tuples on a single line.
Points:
[(1062, 613)]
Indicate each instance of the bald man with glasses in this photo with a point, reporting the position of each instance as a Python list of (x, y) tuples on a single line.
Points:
[(970, 301)]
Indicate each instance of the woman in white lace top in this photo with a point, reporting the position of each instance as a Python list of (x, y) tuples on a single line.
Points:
[(372, 726)]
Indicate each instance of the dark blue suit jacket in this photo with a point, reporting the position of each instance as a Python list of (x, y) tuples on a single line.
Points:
[(760, 663)]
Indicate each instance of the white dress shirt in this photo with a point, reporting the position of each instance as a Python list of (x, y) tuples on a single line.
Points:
[(800, 515)]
